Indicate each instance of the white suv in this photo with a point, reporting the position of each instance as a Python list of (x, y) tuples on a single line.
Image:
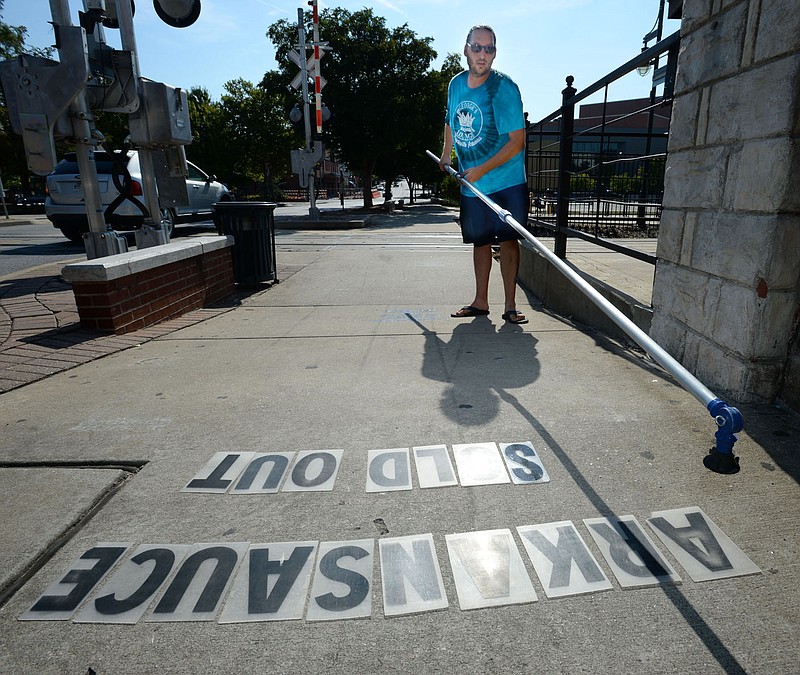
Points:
[(66, 209)]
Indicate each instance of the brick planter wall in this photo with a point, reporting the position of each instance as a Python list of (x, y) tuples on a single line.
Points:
[(129, 291)]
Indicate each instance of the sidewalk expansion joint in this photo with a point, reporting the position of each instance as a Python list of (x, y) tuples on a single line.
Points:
[(128, 469), (132, 466)]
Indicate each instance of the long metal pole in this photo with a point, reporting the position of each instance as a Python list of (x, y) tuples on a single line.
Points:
[(127, 34), (728, 419)]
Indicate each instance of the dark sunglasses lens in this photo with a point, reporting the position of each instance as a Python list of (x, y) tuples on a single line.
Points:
[(489, 49)]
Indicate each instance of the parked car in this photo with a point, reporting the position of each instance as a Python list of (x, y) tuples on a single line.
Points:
[(65, 206), (32, 200)]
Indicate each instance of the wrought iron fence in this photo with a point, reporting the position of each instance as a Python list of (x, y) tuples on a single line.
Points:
[(601, 176)]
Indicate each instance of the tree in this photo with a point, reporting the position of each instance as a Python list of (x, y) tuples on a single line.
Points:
[(209, 136), (12, 40), (418, 165), (13, 164), (244, 138), (386, 102)]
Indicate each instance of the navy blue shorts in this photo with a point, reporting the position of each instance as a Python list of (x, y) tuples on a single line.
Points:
[(481, 226)]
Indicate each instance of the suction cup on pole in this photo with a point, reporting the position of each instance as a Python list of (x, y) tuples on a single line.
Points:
[(721, 462)]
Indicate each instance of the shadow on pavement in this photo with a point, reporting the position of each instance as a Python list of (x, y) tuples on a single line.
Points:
[(777, 430), (59, 248), (22, 287), (704, 632), (475, 368)]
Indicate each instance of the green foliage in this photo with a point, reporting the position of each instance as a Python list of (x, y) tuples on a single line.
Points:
[(244, 139), (115, 129), (387, 102), (450, 191), (582, 182), (621, 184), (13, 164), (648, 179)]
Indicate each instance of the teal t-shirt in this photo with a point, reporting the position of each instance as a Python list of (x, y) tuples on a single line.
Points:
[(480, 120)]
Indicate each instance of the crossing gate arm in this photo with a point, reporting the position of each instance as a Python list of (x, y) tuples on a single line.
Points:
[(727, 418)]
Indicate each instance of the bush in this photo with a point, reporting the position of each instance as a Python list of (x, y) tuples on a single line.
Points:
[(450, 191), (581, 182)]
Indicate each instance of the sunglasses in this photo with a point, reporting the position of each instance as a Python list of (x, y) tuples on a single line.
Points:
[(489, 49)]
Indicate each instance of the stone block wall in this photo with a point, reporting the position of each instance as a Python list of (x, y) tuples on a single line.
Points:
[(727, 287)]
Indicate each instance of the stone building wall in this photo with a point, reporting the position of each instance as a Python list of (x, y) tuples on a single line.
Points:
[(726, 295)]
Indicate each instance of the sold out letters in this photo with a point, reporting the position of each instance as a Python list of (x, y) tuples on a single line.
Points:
[(240, 473)]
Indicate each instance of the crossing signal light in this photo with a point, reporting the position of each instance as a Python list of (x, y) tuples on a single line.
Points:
[(177, 13)]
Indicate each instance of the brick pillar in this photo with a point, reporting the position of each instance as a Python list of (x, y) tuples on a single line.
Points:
[(725, 296)]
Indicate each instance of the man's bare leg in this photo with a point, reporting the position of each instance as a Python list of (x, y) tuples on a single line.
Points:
[(509, 269), (482, 262)]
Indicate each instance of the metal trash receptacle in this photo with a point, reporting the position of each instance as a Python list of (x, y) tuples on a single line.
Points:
[(252, 226)]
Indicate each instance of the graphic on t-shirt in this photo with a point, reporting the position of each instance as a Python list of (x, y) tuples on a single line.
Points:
[(469, 119)]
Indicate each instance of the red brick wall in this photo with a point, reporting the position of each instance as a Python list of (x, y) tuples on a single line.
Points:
[(145, 298)]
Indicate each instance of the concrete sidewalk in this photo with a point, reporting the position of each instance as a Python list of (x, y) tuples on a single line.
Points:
[(40, 333), (354, 353)]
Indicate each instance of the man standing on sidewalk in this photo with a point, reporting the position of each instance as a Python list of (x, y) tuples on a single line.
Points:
[(486, 125)]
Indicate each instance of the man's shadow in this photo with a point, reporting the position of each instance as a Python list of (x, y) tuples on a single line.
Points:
[(479, 364)]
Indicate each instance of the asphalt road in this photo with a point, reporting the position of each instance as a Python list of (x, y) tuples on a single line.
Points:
[(28, 245), (24, 246)]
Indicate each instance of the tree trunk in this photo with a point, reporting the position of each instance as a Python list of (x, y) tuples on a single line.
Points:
[(367, 192), (366, 182)]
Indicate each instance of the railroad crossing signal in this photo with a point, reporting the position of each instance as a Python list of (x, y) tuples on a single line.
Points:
[(311, 68), (304, 161)]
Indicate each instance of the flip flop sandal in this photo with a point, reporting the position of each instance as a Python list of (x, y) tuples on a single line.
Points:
[(469, 311), (513, 316)]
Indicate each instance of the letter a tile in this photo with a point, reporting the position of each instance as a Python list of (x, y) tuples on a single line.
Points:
[(702, 548)]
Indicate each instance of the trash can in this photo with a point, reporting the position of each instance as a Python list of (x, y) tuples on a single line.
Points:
[(252, 226)]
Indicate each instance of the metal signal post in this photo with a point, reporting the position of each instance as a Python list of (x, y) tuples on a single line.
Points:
[(313, 211), (317, 73), (304, 160)]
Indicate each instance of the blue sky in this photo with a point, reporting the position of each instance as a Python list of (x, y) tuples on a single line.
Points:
[(540, 42)]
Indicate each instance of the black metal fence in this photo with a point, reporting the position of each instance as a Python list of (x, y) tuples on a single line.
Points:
[(601, 176)]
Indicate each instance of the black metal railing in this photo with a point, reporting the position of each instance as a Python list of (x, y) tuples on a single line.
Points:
[(601, 177)]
